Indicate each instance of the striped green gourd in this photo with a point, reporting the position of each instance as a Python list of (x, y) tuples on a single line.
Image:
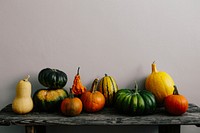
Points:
[(108, 87)]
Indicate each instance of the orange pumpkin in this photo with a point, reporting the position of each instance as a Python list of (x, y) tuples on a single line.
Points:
[(71, 106), (93, 100), (176, 104)]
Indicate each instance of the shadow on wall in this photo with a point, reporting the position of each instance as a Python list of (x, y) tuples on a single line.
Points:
[(102, 129)]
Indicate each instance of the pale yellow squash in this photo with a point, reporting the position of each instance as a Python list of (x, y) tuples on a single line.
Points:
[(160, 84), (23, 102)]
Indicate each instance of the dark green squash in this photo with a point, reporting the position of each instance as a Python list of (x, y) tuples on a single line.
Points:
[(49, 100), (135, 102), (52, 78)]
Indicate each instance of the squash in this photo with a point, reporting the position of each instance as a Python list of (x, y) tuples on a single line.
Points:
[(71, 106), (52, 78), (49, 100), (135, 102), (176, 104), (93, 100), (23, 102), (108, 87), (77, 87), (160, 84)]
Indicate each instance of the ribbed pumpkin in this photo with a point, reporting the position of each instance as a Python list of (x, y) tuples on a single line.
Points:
[(135, 102), (108, 87), (93, 100), (160, 84), (52, 78), (49, 100)]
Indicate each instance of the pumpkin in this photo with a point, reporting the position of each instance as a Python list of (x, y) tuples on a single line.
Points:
[(52, 78), (49, 100), (108, 87), (71, 106), (77, 87), (93, 100), (160, 84), (176, 104), (23, 102), (135, 101)]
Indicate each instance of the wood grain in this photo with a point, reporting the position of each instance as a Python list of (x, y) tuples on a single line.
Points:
[(108, 116)]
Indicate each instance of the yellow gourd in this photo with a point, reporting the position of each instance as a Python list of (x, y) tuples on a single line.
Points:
[(160, 84), (23, 102)]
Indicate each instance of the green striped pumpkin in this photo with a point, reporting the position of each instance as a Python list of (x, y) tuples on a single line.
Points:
[(135, 102), (108, 87)]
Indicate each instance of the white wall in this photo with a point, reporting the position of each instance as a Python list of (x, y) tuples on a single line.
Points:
[(118, 37)]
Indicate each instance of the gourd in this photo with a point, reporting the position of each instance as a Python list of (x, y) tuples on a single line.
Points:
[(176, 104), (71, 106), (108, 87), (49, 100), (22, 102), (135, 102), (52, 78), (93, 100), (160, 84), (77, 87)]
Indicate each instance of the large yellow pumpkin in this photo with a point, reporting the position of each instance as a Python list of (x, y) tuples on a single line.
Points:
[(160, 84)]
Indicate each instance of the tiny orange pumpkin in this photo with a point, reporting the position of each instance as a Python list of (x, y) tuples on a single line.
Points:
[(71, 106), (176, 104)]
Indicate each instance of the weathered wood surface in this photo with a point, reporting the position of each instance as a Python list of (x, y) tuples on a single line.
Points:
[(108, 116)]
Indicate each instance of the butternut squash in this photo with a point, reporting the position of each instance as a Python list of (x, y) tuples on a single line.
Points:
[(23, 102)]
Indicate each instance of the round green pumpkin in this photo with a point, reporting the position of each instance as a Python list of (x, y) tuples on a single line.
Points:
[(135, 102), (49, 100), (52, 78)]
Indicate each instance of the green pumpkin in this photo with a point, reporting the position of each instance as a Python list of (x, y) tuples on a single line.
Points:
[(135, 102), (49, 100), (52, 78)]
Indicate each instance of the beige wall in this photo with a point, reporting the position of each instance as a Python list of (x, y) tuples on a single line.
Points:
[(118, 37)]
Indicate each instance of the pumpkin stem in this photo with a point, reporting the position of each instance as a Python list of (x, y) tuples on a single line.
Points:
[(71, 94), (78, 70), (106, 74), (26, 79), (154, 69), (94, 85), (175, 92), (136, 87)]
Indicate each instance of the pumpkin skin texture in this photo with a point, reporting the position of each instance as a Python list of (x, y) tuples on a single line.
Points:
[(93, 100), (108, 87), (23, 102), (49, 100), (71, 106), (52, 78), (176, 104), (160, 84), (135, 102)]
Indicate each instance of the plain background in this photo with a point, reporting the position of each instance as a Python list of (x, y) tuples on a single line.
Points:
[(118, 37)]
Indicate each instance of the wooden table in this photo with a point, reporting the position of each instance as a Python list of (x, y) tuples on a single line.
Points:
[(36, 122)]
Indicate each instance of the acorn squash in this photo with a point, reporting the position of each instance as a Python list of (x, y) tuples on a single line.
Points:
[(52, 78), (135, 101)]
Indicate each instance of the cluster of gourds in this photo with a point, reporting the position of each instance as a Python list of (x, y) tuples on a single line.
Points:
[(160, 91)]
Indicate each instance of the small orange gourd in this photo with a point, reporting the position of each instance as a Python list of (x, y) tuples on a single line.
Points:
[(93, 100), (77, 87)]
